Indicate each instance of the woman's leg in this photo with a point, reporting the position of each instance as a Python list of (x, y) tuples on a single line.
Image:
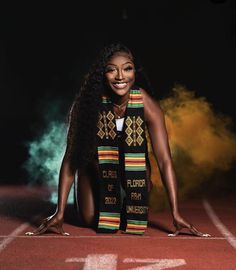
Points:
[(86, 196)]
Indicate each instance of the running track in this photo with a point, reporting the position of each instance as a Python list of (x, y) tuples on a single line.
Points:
[(22, 208)]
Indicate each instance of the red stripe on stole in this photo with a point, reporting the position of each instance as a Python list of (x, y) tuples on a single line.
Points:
[(136, 229), (109, 221), (107, 154), (135, 161), (136, 99)]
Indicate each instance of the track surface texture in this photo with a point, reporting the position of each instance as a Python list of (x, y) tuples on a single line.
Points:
[(22, 208)]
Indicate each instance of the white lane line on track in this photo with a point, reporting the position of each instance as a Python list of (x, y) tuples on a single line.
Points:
[(9, 238), (15, 234), (120, 237), (219, 225)]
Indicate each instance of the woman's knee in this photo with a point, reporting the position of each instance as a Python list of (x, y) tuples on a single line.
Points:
[(88, 218)]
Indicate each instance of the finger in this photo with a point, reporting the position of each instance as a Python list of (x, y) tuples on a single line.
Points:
[(41, 229), (175, 233), (61, 231), (198, 233), (32, 233), (206, 235), (47, 225), (36, 232), (29, 233), (178, 228)]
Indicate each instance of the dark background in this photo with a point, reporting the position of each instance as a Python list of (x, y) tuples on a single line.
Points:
[(46, 50)]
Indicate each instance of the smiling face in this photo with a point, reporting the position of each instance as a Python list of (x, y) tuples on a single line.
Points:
[(120, 74)]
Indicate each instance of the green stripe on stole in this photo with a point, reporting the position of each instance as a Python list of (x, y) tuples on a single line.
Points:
[(134, 151)]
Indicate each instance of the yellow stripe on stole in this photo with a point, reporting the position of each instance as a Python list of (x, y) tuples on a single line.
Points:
[(133, 226), (110, 218), (109, 224)]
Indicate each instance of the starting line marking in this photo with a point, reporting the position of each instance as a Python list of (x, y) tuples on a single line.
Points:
[(109, 262), (219, 225), (114, 237)]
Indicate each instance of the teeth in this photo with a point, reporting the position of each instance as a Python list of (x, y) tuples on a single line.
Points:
[(120, 85)]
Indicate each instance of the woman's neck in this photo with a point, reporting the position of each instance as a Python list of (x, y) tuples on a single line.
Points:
[(119, 100)]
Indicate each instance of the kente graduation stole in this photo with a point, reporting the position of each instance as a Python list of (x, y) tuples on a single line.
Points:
[(134, 149)]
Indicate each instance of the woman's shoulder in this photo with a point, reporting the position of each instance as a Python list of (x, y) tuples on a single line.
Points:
[(142, 90), (152, 108), (147, 98), (144, 93)]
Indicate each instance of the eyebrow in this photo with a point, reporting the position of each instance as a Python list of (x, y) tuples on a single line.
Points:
[(122, 64)]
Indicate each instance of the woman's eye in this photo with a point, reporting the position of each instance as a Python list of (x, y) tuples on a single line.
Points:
[(109, 70), (128, 68)]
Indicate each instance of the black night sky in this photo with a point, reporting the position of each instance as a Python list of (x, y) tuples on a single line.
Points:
[(45, 52)]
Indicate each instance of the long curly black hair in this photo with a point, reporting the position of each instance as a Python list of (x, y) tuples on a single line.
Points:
[(83, 114)]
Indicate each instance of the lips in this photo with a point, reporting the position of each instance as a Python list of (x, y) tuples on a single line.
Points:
[(120, 85)]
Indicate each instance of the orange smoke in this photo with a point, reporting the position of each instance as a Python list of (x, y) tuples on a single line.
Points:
[(201, 143)]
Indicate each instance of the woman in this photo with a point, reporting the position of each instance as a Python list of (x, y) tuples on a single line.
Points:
[(107, 151)]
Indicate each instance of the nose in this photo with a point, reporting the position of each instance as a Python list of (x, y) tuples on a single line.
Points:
[(119, 75)]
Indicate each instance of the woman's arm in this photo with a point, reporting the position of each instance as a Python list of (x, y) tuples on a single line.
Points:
[(66, 178), (155, 121), (159, 140)]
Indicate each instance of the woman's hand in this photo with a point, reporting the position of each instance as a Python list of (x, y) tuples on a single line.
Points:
[(181, 223), (53, 221)]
